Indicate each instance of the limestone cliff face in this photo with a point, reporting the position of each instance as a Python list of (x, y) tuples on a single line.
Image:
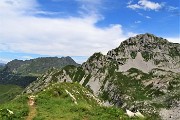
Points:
[(142, 73), (146, 52)]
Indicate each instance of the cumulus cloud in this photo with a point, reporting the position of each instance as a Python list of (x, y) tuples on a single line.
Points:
[(146, 5), (173, 39), (134, 6), (21, 31)]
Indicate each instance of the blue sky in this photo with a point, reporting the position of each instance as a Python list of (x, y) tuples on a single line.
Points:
[(78, 28)]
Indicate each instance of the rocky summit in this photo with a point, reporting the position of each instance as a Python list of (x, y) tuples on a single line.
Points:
[(141, 77), (146, 52)]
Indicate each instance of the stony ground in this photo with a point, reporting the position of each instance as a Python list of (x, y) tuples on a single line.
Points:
[(171, 114)]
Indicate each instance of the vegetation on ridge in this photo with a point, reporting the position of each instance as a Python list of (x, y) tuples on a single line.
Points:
[(54, 103), (8, 92), (22, 73)]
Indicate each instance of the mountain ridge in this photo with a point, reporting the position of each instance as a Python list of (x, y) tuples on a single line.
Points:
[(130, 87), (147, 47), (22, 73)]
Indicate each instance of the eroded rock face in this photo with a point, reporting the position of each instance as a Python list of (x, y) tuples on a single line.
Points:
[(146, 52), (172, 113)]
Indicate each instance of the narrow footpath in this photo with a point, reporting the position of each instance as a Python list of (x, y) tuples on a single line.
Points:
[(32, 108)]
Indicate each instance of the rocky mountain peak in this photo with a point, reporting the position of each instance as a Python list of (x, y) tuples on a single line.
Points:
[(146, 50), (143, 42), (43, 62), (146, 38)]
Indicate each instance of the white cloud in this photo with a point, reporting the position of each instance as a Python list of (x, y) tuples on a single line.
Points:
[(173, 39), (27, 57), (5, 60), (149, 5), (131, 1), (134, 6), (148, 17), (137, 22), (90, 6), (140, 14), (172, 8), (146, 5), (22, 32)]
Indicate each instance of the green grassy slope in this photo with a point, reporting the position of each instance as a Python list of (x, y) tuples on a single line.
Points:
[(19, 107), (8, 92), (54, 103)]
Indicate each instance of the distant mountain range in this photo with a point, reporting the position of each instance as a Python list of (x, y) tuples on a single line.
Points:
[(22, 73), (2, 64)]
